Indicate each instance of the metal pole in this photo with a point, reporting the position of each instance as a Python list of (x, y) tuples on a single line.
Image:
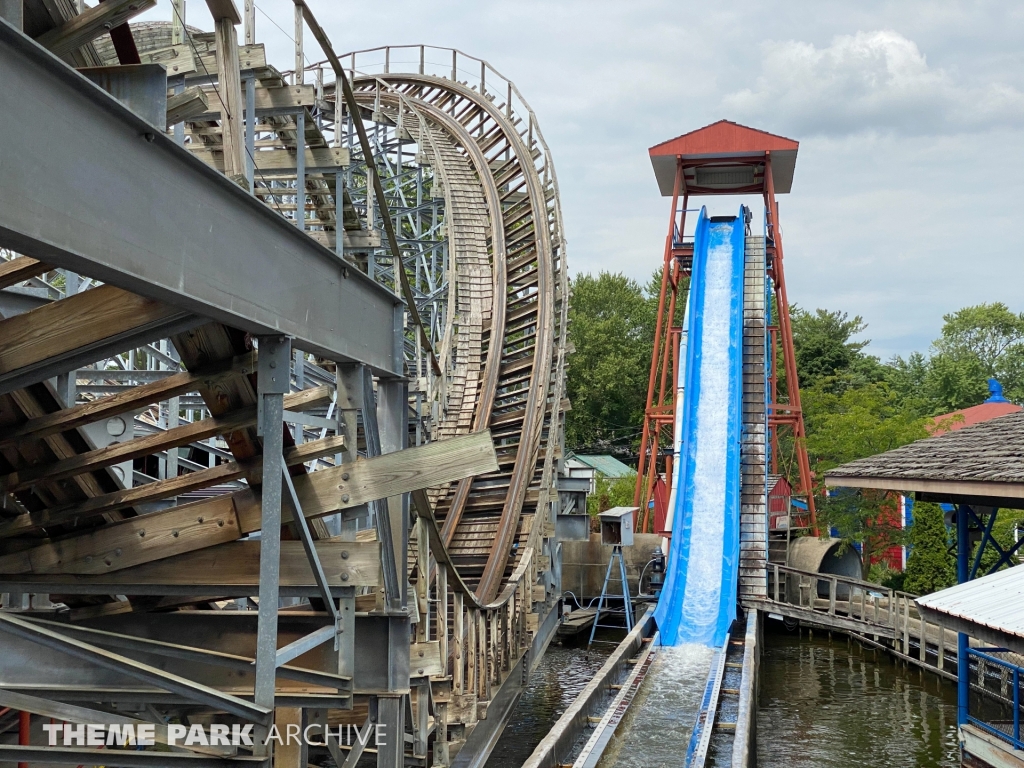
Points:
[(963, 667), (300, 170), (272, 382)]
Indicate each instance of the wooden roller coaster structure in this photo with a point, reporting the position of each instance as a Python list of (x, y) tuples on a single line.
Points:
[(281, 389)]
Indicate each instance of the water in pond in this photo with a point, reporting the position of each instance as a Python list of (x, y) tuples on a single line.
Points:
[(825, 703)]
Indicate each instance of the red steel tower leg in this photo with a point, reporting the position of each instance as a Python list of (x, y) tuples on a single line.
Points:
[(794, 415), (660, 407)]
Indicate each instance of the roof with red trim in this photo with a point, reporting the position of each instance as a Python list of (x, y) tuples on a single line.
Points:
[(741, 150), (724, 137)]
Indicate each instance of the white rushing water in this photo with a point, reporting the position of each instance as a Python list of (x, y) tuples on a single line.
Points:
[(702, 595), (657, 728)]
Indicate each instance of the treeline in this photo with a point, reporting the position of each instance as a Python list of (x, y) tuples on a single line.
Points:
[(855, 405)]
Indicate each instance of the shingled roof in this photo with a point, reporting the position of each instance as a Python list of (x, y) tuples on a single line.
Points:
[(985, 459)]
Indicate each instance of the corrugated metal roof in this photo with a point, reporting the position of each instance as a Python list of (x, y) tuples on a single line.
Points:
[(608, 466), (995, 601)]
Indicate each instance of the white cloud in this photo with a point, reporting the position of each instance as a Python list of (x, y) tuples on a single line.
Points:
[(870, 81)]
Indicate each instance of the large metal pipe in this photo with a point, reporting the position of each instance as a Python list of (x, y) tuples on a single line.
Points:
[(816, 555)]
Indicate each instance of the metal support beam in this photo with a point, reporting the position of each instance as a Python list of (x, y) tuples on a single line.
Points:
[(393, 418), (216, 251), (307, 543), (13, 12), (151, 675), (355, 390), (10, 754), (298, 647), (273, 380), (963, 667)]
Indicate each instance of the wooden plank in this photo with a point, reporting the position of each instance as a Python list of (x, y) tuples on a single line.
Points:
[(391, 474), (352, 239), (224, 9), (19, 269), (77, 322), (117, 546), (90, 24), (288, 753), (317, 158), (162, 489), (230, 568), (29, 404), (122, 402), (187, 105), (278, 100), (249, 57), (425, 659), (177, 59), (320, 493), (158, 441), (229, 95)]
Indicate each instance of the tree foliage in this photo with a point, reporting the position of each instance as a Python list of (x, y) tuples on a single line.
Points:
[(977, 343), (611, 329), (612, 321), (611, 492), (930, 565), (825, 351)]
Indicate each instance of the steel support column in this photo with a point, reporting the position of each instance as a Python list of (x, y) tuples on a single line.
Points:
[(272, 382), (963, 667)]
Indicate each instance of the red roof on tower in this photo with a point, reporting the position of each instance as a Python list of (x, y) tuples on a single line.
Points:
[(740, 152)]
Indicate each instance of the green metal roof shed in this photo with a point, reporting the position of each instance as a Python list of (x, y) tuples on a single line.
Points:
[(608, 466)]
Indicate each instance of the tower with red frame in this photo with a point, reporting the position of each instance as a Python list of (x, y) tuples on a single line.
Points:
[(723, 158)]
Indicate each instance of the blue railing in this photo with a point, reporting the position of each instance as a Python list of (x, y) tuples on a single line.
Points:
[(1010, 676)]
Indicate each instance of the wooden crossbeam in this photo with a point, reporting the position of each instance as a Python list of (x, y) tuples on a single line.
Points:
[(203, 524), (80, 329), (29, 404), (317, 158), (185, 105), (90, 24), (158, 441), (19, 269), (163, 489), (129, 400), (249, 57), (284, 99), (232, 568)]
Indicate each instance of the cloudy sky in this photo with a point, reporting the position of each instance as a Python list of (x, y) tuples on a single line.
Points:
[(910, 115)]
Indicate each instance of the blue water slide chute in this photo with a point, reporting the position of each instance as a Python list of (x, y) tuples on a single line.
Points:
[(698, 602)]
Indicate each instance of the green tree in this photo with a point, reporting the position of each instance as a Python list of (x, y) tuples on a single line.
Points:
[(822, 342), (611, 330), (611, 492), (977, 343), (612, 322), (931, 565), (854, 423)]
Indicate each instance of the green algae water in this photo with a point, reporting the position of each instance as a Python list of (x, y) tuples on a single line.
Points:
[(826, 703)]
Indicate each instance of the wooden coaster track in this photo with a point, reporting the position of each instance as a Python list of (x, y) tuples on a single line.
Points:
[(189, 378)]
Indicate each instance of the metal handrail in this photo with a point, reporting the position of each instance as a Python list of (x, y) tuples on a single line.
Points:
[(1014, 737)]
